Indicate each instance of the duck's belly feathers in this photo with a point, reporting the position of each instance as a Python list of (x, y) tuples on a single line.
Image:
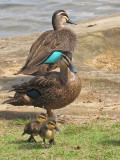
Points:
[(56, 98), (50, 134)]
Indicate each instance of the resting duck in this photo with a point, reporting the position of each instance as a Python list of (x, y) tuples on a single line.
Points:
[(61, 38), (50, 90)]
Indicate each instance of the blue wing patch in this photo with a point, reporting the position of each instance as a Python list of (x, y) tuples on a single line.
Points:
[(33, 94), (54, 57)]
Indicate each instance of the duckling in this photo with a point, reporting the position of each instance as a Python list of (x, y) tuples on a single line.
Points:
[(33, 127), (48, 131), (61, 38), (50, 90)]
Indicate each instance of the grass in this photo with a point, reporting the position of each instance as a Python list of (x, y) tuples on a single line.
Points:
[(95, 142)]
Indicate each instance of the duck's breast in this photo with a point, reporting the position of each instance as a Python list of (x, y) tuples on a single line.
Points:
[(50, 134)]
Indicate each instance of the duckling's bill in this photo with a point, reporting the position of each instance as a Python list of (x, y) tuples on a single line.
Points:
[(57, 129)]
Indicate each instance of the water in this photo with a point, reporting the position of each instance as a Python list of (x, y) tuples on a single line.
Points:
[(18, 17)]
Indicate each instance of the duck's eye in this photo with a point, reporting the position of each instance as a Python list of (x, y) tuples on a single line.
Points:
[(66, 60), (64, 14)]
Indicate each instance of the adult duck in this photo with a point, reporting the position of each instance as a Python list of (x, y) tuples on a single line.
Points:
[(61, 38), (50, 90)]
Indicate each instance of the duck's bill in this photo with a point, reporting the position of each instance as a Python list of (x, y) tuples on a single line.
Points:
[(72, 67), (69, 21), (57, 129)]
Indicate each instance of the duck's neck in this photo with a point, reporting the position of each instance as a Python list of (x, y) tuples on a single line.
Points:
[(57, 25), (64, 74)]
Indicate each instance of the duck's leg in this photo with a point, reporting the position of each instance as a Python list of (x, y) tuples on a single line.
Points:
[(50, 113), (31, 139), (45, 146), (52, 142)]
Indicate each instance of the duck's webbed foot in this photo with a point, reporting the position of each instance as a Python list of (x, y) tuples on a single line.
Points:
[(31, 139), (52, 142)]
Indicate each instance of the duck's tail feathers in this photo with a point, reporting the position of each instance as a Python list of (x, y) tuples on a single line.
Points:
[(23, 133), (17, 100), (11, 101), (20, 71)]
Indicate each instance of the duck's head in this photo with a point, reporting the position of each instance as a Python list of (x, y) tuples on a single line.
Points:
[(66, 62), (59, 18), (51, 124), (42, 117)]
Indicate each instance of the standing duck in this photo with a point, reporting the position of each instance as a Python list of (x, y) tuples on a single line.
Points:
[(61, 38), (32, 128), (48, 131), (50, 90)]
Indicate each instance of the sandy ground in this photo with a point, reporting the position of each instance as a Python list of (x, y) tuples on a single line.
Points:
[(97, 59)]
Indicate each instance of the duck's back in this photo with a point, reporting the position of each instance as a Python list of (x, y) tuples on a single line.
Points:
[(32, 127), (63, 39)]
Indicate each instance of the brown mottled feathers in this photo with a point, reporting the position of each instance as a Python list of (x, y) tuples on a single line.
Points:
[(31, 127), (48, 79), (53, 93), (49, 41)]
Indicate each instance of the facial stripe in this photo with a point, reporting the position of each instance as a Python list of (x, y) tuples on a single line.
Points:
[(51, 123), (66, 59), (65, 17), (64, 14), (42, 117), (61, 13)]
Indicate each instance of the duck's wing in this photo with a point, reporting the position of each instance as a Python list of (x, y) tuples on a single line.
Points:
[(38, 90), (48, 42), (35, 87), (34, 51), (37, 49)]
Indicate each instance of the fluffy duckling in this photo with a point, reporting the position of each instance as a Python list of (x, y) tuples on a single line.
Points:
[(48, 131), (32, 128)]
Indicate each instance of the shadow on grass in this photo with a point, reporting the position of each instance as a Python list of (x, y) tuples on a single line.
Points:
[(24, 145), (110, 142), (11, 115)]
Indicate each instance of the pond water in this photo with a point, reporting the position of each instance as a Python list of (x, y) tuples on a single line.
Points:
[(18, 17)]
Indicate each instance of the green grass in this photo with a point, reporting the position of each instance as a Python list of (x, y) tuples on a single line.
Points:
[(97, 142)]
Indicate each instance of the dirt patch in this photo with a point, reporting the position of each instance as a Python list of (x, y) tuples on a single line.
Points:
[(107, 62)]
